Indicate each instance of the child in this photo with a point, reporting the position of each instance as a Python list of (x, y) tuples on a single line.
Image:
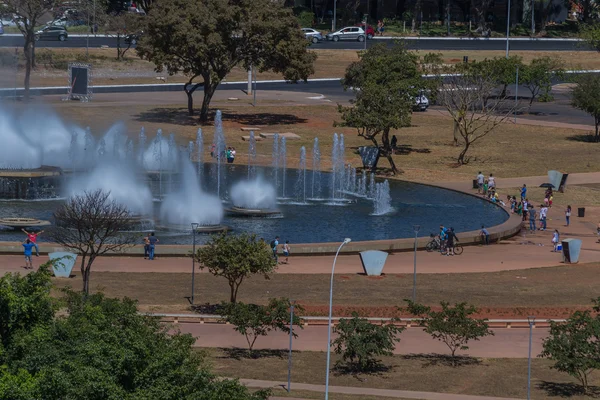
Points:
[(555, 238), (550, 201), (286, 252), (485, 188), (27, 247)]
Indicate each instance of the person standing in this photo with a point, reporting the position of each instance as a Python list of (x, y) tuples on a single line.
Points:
[(32, 236), (274, 245), (286, 251), (568, 215), (28, 246), (543, 215), (146, 247), (532, 215), (523, 192), (443, 237), (555, 240), (152, 240), (492, 182), (480, 180), (450, 242)]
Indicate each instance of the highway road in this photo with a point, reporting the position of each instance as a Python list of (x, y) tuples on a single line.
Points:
[(523, 44)]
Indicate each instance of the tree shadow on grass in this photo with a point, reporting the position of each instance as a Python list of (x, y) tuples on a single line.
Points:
[(582, 138), (406, 149), (559, 389), (432, 360), (262, 118), (238, 353), (377, 368), (206, 308), (161, 115)]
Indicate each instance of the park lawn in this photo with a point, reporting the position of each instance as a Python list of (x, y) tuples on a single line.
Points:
[(538, 291), (428, 155), (419, 372)]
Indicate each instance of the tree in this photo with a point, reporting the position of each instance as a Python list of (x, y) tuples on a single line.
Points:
[(25, 302), (574, 345), (591, 35), (126, 28), (27, 16), (360, 341), (253, 321), (105, 349), (206, 39), (537, 77), (468, 100), (386, 81), (586, 97), (92, 224), (452, 326), (236, 257)]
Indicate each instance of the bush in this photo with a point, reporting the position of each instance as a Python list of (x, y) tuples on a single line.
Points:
[(306, 19)]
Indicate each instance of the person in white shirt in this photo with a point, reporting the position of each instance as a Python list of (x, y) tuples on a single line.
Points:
[(480, 180), (555, 239), (543, 214), (491, 182)]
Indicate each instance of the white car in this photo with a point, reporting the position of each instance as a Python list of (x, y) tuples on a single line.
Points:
[(421, 102), (312, 35), (348, 33)]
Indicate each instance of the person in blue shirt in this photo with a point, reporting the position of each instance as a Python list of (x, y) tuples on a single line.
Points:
[(485, 235), (443, 238), (28, 246), (274, 245), (523, 192)]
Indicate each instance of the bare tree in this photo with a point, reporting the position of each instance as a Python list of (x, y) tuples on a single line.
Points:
[(92, 225), (126, 28), (464, 97), (27, 15)]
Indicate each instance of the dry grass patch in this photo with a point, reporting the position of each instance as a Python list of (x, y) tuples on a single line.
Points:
[(424, 373), (496, 293)]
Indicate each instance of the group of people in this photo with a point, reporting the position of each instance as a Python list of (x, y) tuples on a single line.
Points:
[(28, 246), (448, 239), (228, 154), (149, 246), (285, 247)]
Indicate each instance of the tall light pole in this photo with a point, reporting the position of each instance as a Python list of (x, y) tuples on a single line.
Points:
[(334, 15), (531, 321), (194, 227), (507, 28), (532, 18), (346, 241), (416, 228)]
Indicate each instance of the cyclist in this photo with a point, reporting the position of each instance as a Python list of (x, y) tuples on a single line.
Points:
[(443, 237), (451, 237)]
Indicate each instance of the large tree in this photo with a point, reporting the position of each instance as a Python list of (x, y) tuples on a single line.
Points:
[(28, 14), (537, 77), (206, 39), (92, 224), (386, 81), (586, 97)]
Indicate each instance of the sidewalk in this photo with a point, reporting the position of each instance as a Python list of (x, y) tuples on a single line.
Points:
[(398, 394)]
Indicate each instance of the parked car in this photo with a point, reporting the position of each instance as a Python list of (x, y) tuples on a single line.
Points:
[(421, 102), (52, 32), (370, 30), (313, 35), (347, 33)]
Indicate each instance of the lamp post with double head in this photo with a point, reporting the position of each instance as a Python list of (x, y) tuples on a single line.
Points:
[(346, 241), (531, 321), (194, 228)]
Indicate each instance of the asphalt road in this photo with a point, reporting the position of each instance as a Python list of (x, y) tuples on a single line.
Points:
[(413, 43)]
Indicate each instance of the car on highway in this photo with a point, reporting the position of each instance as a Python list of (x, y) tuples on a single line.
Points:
[(52, 32), (347, 33), (313, 35), (1, 29), (370, 31)]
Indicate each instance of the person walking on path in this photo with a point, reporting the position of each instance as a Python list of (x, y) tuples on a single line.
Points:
[(543, 215), (451, 238), (523, 192), (286, 252), (152, 240), (480, 180), (146, 247), (274, 245), (28, 246), (555, 240), (532, 215), (568, 215), (32, 236)]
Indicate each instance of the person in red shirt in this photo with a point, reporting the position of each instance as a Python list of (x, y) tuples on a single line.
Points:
[(32, 236)]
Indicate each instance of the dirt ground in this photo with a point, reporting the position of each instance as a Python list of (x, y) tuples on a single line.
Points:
[(508, 294), (483, 377)]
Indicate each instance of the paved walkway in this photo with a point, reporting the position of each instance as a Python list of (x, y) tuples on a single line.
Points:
[(402, 394)]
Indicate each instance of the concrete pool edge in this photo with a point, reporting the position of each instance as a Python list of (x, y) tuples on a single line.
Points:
[(507, 229)]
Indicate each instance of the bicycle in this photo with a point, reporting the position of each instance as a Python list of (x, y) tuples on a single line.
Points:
[(435, 244)]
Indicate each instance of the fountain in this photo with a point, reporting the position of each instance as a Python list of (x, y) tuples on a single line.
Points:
[(253, 198), (382, 201), (316, 171), (300, 188), (199, 154), (283, 163), (219, 144), (372, 187), (334, 164), (141, 147), (252, 156), (275, 160)]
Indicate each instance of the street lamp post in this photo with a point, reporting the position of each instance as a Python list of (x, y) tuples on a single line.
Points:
[(531, 321), (194, 227), (416, 228), (334, 15), (346, 241), (532, 18), (507, 28)]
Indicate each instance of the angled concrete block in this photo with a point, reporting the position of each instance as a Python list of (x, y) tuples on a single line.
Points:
[(571, 248), (554, 177), (64, 263), (373, 261)]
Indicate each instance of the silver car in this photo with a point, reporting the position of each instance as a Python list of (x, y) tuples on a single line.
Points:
[(313, 35), (347, 33)]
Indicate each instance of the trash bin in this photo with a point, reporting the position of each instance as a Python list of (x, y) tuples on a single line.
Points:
[(570, 250), (581, 212), (475, 184)]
